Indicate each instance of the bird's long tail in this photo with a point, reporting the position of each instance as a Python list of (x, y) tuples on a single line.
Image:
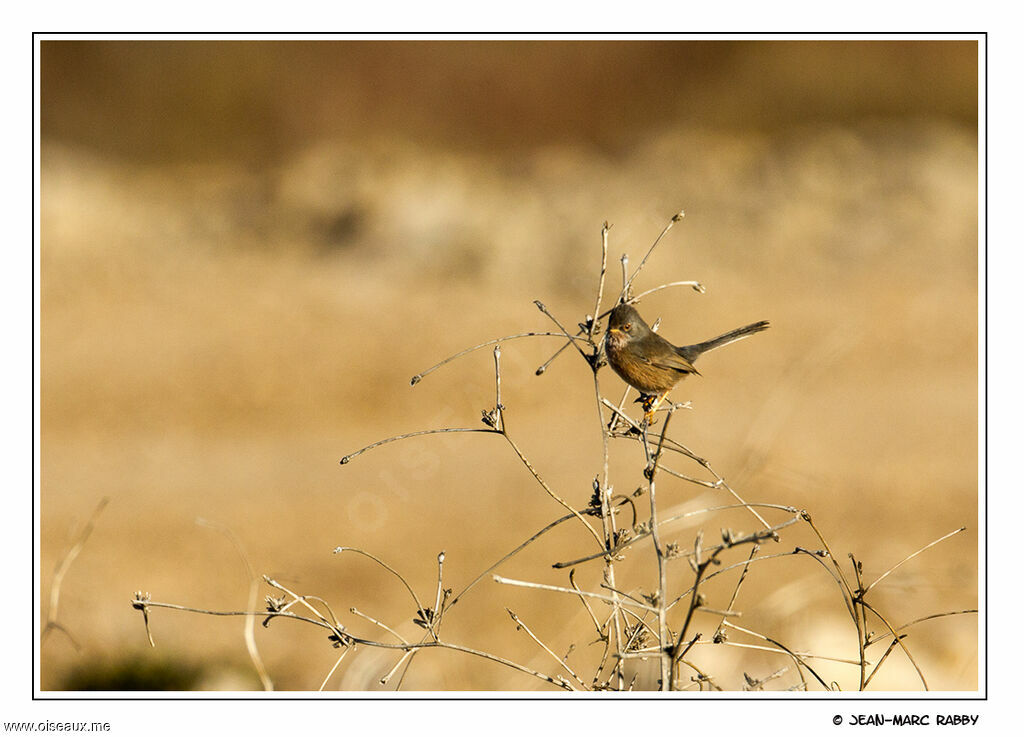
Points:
[(690, 352)]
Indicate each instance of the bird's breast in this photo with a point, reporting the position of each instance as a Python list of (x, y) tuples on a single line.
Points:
[(636, 372)]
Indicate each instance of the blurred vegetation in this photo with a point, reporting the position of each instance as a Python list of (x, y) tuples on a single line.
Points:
[(259, 101)]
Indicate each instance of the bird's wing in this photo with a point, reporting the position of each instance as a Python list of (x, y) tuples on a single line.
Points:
[(668, 360)]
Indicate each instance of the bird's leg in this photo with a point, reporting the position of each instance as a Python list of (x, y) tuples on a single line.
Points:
[(650, 405)]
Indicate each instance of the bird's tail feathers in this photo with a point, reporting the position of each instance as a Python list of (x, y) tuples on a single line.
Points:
[(691, 352)]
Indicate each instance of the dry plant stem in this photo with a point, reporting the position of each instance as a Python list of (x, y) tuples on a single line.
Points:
[(841, 577), (759, 683), (608, 520), (574, 592), (437, 599), (333, 668), (321, 622), (630, 597), (548, 650), (690, 479), (586, 605), (544, 366), (250, 622), (560, 682), (850, 597), (861, 621), (532, 334), (739, 583), (550, 491), (141, 602), (642, 626), (888, 651), (498, 406), (899, 641), (676, 652), (754, 537), (628, 283), (625, 545), (616, 411), (406, 656), (331, 623), (61, 571), (680, 448), (600, 282), (385, 566), (541, 306), (702, 676), (506, 557), (777, 650), (798, 660), (502, 432), (606, 652), (385, 441), (270, 615), (607, 515), (694, 285), (912, 555), (380, 624), (664, 655), (902, 627)]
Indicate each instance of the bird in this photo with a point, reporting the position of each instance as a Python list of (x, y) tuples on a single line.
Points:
[(649, 363)]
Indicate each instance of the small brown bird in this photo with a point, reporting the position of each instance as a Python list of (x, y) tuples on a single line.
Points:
[(648, 362)]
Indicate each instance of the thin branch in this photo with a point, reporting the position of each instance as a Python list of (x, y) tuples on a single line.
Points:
[(576, 592), (909, 557), (522, 625), (541, 306), (437, 599), (144, 603), (371, 446), (254, 590), (382, 564), (600, 283), (532, 334), (550, 491), (797, 659), (888, 651), (872, 641), (695, 285), (736, 591), (62, 569), (628, 283), (560, 682), (586, 604), (407, 655), (498, 406), (529, 540), (899, 641), (664, 636), (330, 673), (626, 544), (380, 624)]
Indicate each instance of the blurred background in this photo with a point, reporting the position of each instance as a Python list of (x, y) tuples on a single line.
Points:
[(249, 247)]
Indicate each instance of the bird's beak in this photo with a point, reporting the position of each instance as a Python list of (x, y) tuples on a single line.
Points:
[(614, 330)]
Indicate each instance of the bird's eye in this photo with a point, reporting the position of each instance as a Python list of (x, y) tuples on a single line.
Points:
[(627, 327)]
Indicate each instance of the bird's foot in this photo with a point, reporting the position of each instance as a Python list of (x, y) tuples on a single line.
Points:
[(650, 405)]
